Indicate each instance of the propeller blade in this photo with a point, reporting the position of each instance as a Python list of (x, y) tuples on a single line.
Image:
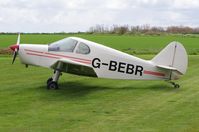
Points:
[(14, 56), (15, 49), (18, 39)]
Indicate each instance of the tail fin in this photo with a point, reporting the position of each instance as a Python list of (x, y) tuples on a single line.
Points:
[(173, 57)]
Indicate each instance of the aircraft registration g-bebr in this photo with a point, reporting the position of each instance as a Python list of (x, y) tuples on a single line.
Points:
[(82, 57)]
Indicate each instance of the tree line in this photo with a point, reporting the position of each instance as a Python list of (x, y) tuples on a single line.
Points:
[(125, 29), (143, 29)]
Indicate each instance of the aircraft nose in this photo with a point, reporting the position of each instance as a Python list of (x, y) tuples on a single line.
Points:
[(13, 47)]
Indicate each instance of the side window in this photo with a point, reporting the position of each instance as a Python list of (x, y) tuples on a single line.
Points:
[(83, 49)]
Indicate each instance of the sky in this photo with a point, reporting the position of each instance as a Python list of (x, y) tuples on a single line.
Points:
[(80, 15)]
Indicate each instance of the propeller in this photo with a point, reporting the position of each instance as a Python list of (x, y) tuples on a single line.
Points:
[(15, 49)]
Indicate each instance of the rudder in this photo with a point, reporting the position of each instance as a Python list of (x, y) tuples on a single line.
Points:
[(173, 55)]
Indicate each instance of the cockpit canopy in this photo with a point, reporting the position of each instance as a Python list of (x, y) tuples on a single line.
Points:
[(69, 45)]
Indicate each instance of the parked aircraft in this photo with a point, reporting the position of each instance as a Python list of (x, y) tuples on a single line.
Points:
[(82, 57)]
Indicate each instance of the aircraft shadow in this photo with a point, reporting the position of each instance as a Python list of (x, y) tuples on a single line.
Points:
[(76, 89), (73, 86)]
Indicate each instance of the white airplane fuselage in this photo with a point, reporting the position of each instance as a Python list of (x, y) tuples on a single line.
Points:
[(105, 61)]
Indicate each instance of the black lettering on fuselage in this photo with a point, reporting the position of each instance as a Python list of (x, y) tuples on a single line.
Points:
[(129, 69), (121, 67), (139, 69), (96, 63), (113, 66)]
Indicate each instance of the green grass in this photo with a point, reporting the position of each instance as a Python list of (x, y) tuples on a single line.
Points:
[(128, 43), (90, 104)]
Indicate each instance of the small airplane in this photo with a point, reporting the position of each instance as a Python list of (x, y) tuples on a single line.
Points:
[(82, 57)]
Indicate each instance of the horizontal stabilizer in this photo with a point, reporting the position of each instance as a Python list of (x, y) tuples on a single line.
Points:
[(169, 68)]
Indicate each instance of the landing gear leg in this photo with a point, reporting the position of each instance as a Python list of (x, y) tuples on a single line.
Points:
[(52, 81), (174, 84)]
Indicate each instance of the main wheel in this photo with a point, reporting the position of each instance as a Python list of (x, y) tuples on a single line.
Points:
[(52, 85), (49, 80)]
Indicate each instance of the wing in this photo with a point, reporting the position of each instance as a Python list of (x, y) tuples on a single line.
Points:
[(73, 67)]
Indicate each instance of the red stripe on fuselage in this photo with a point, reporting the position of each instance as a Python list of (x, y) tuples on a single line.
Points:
[(89, 61), (34, 51), (81, 61), (154, 73), (43, 55), (54, 57), (68, 57)]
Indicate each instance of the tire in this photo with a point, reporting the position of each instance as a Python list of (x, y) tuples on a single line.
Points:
[(52, 85), (49, 80)]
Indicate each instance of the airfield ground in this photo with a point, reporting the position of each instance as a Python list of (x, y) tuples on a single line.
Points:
[(90, 104), (138, 44)]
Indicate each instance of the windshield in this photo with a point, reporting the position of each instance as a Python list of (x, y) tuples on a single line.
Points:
[(65, 45)]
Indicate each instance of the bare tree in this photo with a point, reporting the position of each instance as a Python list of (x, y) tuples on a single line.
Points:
[(144, 29)]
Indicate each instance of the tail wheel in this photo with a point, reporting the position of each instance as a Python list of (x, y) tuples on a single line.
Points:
[(177, 86)]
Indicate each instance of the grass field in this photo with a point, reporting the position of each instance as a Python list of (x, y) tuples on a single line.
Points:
[(90, 104), (127, 43)]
